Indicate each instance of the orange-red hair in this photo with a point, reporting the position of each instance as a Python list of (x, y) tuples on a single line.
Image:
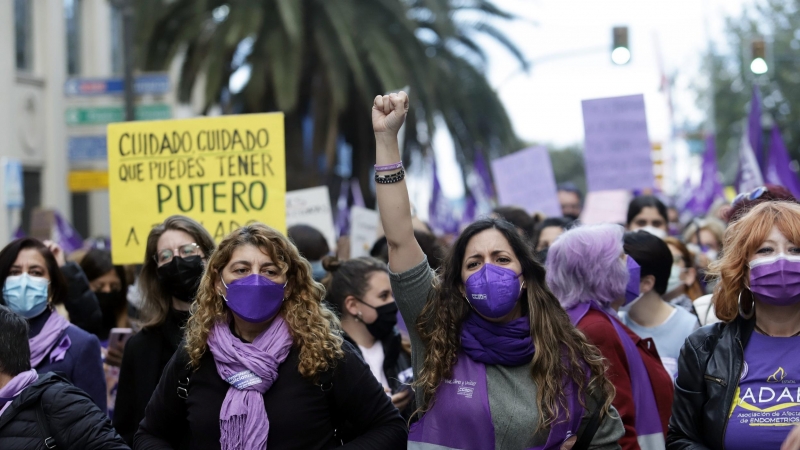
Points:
[(742, 239)]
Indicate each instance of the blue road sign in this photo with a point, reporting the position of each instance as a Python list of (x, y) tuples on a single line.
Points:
[(154, 84), (86, 148)]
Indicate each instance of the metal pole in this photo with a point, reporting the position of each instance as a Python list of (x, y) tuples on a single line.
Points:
[(125, 8)]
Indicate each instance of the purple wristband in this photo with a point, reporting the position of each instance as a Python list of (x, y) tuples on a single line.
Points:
[(388, 167)]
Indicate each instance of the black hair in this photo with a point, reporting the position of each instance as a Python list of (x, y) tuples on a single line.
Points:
[(652, 254), (97, 262), (310, 242), (561, 222), (15, 352), (518, 217), (427, 242), (58, 284), (571, 187), (646, 201), (348, 278)]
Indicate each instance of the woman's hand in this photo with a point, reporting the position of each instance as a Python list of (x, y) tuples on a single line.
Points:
[(389, 113), (401, 399), (57, 252)]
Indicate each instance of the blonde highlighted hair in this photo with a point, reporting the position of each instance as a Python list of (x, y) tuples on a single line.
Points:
[(315, 329), (742, 240)]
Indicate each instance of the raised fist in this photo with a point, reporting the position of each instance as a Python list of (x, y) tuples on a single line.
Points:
[(389, 112)]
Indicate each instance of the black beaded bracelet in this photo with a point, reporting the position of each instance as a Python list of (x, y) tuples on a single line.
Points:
[(389, 179)]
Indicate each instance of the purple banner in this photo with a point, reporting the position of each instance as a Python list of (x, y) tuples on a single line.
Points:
[(749, 175), (777, 170), (525, 179), (470, 211), (65, 235), (754, 127), (710, 187), (479, 182), (441, 216), (617, 153)]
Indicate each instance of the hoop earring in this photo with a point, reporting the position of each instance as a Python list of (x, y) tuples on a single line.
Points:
[(752, 312)]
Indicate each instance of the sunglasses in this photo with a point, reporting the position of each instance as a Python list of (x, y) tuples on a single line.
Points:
[(750, 196)]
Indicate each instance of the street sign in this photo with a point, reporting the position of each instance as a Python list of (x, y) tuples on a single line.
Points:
[(153, 84), (101, 115), (87, 180), (86, 148)]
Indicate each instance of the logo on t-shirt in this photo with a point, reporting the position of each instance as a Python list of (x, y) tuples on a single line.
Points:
[(778, 376)]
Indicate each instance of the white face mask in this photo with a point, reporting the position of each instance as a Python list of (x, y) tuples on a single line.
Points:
[(626, 308), (657, 232), (675, 278)]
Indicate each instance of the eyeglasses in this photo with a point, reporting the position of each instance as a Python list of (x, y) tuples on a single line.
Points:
[(166, 255), (750, 196)]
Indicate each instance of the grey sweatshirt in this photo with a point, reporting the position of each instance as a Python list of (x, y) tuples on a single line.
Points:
[(512, 392)]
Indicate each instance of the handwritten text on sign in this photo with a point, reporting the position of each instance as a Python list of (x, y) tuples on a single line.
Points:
[(223, 172), (617, 145)]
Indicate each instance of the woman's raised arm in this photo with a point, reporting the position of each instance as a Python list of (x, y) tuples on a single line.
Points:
[(388, 115)]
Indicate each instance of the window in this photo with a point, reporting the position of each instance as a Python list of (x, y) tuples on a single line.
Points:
[(23, 34), (72, 14), (32, 195)]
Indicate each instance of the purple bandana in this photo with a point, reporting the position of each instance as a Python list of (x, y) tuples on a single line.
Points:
[(52, 340), (506, 344), (15, 387), (250, 369)]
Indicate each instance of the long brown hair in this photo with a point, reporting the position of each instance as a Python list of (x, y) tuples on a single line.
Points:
[(694, 290), (742, 239), (314, 328), (156, 301), (562, 352)]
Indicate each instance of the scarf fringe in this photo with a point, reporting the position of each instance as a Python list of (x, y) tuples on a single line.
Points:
[(232, 432)]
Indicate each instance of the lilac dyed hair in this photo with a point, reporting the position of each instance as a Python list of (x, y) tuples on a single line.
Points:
[(584, 264)]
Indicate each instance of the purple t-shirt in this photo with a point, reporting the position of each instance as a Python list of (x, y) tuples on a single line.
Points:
[(767, 401)]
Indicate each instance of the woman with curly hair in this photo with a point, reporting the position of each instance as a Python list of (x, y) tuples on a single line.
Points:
[(264, 364), (497, 362), (737, 380)]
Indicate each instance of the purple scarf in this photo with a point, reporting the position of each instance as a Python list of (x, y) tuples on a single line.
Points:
[(15, 387), (250, 369), (52, 340), (507, 344)]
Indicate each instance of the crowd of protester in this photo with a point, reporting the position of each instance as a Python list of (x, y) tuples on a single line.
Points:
[(521, 332)]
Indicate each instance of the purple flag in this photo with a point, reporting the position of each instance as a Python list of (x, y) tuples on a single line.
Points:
[(19, 234), (343, 210), (440, 210), (358, 198), (65, 235), (749, 176), (754, 127), (479, 182), (470, 211), (777, 170), (710, 187)]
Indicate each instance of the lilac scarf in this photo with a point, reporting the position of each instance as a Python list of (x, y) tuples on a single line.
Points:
[(15, 387), (250, 369), (507, 344), (52, 340)]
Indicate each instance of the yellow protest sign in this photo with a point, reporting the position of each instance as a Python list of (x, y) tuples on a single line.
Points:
[(223, 172)]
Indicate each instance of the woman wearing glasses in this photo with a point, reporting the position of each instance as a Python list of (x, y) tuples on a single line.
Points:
[(175, 258)]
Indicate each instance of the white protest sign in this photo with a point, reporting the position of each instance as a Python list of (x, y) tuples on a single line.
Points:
[(363, 230), (525, 179), (311, 207)]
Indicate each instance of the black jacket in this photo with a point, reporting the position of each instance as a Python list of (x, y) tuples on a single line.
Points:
[(301, 414), (708, 374), (72, 419), (144, 359), (81, 303)]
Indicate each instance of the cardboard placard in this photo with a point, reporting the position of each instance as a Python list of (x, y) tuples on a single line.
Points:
[(364, 224), (312, 207), (525, 179)]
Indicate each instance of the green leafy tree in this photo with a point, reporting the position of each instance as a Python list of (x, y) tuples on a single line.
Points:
[(733, 81), (327, 59)]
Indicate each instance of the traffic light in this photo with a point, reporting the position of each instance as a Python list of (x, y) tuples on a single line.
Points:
[(620, 51), (758, 56)]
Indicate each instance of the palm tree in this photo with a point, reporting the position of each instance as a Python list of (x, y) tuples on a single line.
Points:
[(325, 60)]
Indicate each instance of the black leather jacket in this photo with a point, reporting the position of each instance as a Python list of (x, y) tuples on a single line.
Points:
[(708, 375)]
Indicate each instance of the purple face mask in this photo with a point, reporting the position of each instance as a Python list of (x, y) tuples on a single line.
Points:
[(254, 298), (635, 272), (776, 280), (493, 291)]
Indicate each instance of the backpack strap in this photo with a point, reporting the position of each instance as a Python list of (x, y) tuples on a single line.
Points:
[(184, 375), (49, 442), (586, 437), (325, 384)]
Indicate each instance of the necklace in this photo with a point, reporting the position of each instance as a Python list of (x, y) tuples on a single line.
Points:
[(769, 335)]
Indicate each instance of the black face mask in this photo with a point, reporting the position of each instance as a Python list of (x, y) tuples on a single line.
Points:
[(384, 324), (181, 277), (541, 255), (110, 304)]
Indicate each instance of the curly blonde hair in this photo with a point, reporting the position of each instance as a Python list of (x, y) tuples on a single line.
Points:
[(314, 328), (742, 239)]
